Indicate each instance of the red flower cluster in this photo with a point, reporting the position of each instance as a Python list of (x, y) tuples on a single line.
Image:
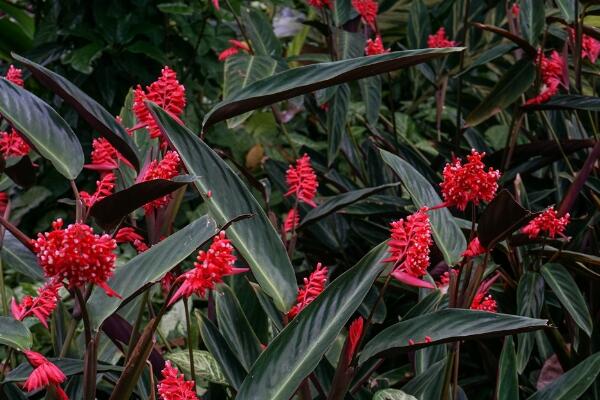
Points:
[(13, 145), (590, 47), (166, 92), (474, 249), (548, 222), (302, 181), (236, 47), (40, 306), (551, 69), (408, 247), (313, 286), (104, 187), (77, 255), (15, 75), (129, 235), (367, 9), (174, 386), (440, 40), (209, 269), (291, 220), (166, 168), (484, 302), (44, 374), (468, 182), (104, 156), (375, 46), (320, 3)]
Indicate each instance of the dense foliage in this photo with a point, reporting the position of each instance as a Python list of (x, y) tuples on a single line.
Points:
[(330, 199)]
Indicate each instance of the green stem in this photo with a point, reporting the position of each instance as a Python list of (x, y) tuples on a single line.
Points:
[(135, 335), (70, 335), (188, 326)]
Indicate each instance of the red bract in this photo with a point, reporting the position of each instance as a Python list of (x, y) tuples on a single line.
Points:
[(291, 220), (320, 3), (166, 168), (77, 255), (44, 374), (209, 269), (166, 92), (551, 70), (13, 145), (409, 244), (375, 46), (469, 182), (367, 9), (440, 40), (174, 386), (313, 286), (483, 301), (3, 202), (236, 47), (515, 10), (590, 47), (40, 306), (354, 334), (129, 235), (104, 187), (548, 222), (474, 249), (104, 156), (302, 181), (15, 76), (216, 4)]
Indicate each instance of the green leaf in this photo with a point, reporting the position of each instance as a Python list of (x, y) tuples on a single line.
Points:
[(235, 328), (370, 89), (15, 334), (335, 203), (449, 325), (533, 19), (568, 102), (260, 32), (255, 238), (348, 44), (336, 121), (446, 232), (205, 365), (306, 79), (572, 384), (342, 11), (567, 9), (22, 17), (20, 258), (419, 26), (149, 267), (81, 59), (429, 384), (510, 87), (177, 8), (216, 344), (50, 135), (296, 351), (507, 387), (392, 394), (69, 366), (530, 299), (565, 288), (90, 110)]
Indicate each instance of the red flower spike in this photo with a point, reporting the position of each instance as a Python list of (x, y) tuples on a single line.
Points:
[(474, 249), (291, 220), (354, 334), (166, 92), (104, 156), (173, 386), (13, 145), (590, 47), (15, 75), (367, 9), (548, 222), (440, 40), (209, 269), (236, 47), (104, 187), (129, 235), (77, 255), (167, 168), (302, 181), (409, 245), (40, 306), (484, 301), (551, 70), (313, 286), (320, 3), (375, 46), (44, 373), (515, 10), (469, 182)]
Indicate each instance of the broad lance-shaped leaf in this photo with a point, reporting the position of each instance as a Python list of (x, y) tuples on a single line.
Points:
[(567, 102), (14, 334), (449, 325), (430, 383), (296, 351), (565, 288), (302, 80), (149, 266), (260, 31), (530, 299), (49, 134), (336, 121), (89, 109), (20, 258), (255, 238), (448, 236), (205, 365), (69, 366), (573, 383), (508, 379)]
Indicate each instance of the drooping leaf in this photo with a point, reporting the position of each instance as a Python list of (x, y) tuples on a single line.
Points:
[(530, 299), (260, 31), (507, 387), (15, 334), (446, 232), (573, 383), (296, 351), (149, 266), (51, 136), (90, 110), (255, 238), (392, 394), (565, 288), (69, 366), (533, 19), (302, 80), (205, 365), (508, 89), (336, 121), (519, 41), (20, 258), (110, 210), (370, 89), (567, 102), (449, 325)]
